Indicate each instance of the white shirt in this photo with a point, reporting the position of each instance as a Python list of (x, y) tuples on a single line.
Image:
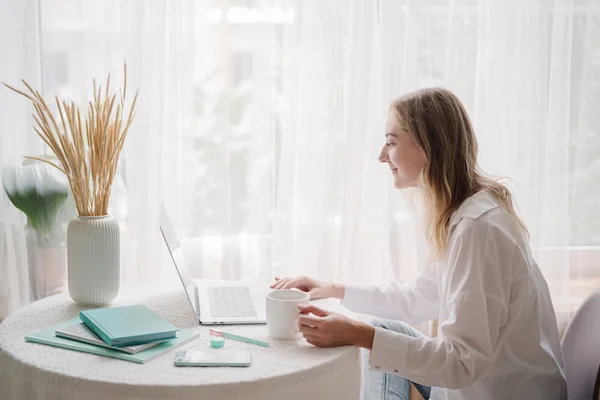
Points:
[(498, 336)]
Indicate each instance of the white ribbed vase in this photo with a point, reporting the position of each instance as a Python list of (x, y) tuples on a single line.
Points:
[(93, 255)]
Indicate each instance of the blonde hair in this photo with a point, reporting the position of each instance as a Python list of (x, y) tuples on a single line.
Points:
[(438, 123)]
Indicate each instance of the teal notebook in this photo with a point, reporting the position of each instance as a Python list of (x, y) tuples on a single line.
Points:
[(128, 325), (48, 337)]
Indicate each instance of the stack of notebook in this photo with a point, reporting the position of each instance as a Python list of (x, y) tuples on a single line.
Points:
[(131, 333)]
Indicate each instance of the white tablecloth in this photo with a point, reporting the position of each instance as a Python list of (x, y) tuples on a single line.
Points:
[(286, 370)]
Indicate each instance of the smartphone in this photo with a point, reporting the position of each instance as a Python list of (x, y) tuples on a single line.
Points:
[(193, 358)]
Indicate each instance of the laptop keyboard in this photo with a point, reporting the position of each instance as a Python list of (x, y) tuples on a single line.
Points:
[(227, 302)]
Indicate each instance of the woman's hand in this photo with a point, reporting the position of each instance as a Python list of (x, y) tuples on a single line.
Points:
[(316, 289), (324, 329)]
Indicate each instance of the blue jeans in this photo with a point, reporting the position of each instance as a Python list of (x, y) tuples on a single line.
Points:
[(380, 385)]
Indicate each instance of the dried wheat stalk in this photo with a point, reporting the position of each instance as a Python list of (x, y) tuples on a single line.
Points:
[(88, 151)]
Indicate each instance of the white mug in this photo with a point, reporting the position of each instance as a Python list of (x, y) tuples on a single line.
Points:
[(282, 313)]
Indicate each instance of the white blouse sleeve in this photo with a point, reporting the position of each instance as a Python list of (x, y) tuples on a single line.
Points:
[(476, 288), (414, 302)]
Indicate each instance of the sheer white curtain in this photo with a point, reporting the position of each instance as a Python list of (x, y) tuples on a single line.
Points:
[(21, 57), (259, 125)]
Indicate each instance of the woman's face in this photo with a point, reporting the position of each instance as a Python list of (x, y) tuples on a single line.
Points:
[(405, 159)]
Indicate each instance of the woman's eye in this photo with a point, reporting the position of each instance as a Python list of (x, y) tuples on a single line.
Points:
[(389, 144)]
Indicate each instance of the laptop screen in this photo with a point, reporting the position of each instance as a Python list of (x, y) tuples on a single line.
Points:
[(168, 232)]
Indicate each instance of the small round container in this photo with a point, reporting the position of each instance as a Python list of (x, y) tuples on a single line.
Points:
[(217, 342)]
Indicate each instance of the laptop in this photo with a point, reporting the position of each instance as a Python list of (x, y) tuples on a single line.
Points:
[(215, 302)]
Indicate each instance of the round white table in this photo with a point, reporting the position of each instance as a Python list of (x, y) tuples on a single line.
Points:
[(285, 370)]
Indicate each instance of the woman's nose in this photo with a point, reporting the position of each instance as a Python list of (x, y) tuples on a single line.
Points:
[(383, 157)]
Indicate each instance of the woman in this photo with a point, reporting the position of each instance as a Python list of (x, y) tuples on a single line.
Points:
[(498, 337)]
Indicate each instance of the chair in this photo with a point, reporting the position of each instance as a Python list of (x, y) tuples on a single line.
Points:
[(581, 349)]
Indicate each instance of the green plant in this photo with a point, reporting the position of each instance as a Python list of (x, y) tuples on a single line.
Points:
[(37, 190)]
